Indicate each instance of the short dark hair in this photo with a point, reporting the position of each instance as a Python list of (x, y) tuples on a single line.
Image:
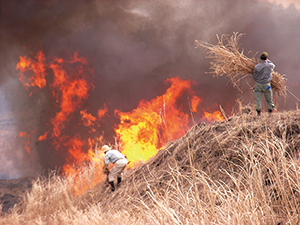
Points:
[(264, 56)]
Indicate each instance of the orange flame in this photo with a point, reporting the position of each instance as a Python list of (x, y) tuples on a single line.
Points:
[(81, 183), (24, 134), (88, 119), (153, 124), (194, 103), (213, 116), (101, 112), (140, 134), (71, 89), (43, 137), (27, 146), (37, 66)]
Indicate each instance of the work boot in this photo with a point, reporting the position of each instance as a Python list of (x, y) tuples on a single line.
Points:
[(112, 186), (270, 110), (119, 181), (258, 112)]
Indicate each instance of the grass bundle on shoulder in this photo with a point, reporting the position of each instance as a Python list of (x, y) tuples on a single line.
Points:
[(229, 61)]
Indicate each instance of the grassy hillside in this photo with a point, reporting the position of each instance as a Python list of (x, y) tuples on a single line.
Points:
[(241, 171)]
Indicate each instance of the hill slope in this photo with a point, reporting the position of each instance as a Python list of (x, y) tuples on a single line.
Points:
[(222, 165), (241, 171)]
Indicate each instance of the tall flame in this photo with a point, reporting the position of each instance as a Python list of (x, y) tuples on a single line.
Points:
[(37, 66), (70, 87), (140, 134), (153, 124)]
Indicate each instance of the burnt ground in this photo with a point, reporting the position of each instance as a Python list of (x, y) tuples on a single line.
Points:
[(12, 186), (12, 190)]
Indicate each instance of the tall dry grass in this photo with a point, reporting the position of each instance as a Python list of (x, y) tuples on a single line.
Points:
[(242, 171)]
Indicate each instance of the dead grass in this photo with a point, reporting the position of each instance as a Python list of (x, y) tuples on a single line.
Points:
[(241, 171), (228, 60)]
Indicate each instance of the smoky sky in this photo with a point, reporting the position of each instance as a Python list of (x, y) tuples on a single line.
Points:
[(132, 46)]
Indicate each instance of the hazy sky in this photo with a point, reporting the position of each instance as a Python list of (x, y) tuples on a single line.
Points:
[(286, 3)]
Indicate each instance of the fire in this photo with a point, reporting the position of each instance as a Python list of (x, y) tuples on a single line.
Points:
[(69, 87), (24, 134), (88, 119), (43, 137), (82, 181), (83, 178), (37, 66), (67, 79), (194, 103), (140, 134), (213, 116), (101, 112), (153, 124)]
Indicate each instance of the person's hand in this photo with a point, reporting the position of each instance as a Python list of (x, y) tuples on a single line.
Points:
[(105, 170)]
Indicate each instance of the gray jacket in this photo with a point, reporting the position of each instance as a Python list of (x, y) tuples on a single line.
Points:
[(262, 72)]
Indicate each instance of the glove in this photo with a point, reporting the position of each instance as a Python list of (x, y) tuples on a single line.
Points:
[(105, 170)]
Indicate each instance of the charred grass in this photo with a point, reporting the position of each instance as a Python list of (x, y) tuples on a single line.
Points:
[(244, 170)]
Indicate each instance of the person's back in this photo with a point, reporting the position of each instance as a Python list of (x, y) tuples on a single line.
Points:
[(120, 161), (112, 156), (262, 74)]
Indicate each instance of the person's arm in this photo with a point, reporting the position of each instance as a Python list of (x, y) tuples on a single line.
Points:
[(107, 156), (272, 65), (254, 74), (106, 163)]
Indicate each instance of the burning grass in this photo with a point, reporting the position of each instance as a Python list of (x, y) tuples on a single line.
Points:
[(244, 170), (228, 60)]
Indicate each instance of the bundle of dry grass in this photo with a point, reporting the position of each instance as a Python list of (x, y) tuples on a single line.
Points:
[(229, 61)]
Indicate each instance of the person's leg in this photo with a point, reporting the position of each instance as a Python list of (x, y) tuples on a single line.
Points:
[(269, 98), (112, 185), (120, 166), (257, 96), (112, 175), (111, 178), (119, 181)]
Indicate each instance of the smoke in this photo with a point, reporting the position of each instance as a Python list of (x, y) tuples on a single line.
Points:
[(286, 3), (132, 46)]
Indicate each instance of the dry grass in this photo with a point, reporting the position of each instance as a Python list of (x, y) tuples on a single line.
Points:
[(241, 171), (228, 60)]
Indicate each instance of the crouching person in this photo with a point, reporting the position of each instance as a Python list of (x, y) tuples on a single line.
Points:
[(120, 161)]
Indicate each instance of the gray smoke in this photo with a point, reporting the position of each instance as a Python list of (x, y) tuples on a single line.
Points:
[(133, 46)]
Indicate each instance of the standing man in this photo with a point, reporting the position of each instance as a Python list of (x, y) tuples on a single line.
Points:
[(120, 161), (262, 74)]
